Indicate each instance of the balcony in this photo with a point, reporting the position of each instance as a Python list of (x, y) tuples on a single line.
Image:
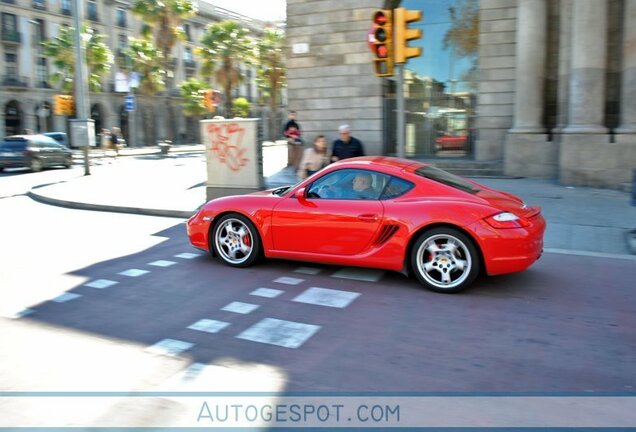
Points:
[(12, 37), (65, 11), (15, 81)]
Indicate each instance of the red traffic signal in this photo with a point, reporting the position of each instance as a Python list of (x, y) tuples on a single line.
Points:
[(382, 41)]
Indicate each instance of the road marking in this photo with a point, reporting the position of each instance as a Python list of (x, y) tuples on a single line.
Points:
[(101, 283), (240, 308), (289, 280), (169, 347), (308, 270), (266, 292), (162, 263), (22, 313), (133, 272), (327, 297), (208, 325), (282, 333), (187, 255), (365, 275), (66, 297)]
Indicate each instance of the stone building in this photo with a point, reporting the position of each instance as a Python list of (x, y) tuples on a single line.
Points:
[(26, 95), (549, 92)]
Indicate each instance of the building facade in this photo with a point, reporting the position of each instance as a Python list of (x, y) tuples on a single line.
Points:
[(534, 88), (26, 95)]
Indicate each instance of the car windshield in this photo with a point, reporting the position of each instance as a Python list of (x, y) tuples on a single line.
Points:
[(447, 178)]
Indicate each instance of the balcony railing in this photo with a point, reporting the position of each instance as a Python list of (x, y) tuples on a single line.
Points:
[(190, 64), (38, 4), (11, 36), (15, 81)]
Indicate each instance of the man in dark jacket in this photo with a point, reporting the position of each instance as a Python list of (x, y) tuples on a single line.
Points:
[(346, 146)]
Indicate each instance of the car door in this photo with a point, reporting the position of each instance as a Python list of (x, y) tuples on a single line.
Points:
[(324, 224)]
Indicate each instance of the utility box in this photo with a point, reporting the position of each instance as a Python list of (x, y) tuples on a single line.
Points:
[(82, 132), (233, 157)]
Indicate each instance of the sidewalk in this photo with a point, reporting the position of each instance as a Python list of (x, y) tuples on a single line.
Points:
[(584, 220)]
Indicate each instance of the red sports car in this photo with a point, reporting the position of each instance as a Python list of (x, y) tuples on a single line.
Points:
[(379, 212)]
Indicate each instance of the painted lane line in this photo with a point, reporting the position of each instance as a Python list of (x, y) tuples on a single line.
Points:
[(162, 263), (133, 272), (63, 298), (208, 325), (266, 292), (359, 274), (282, 333), (240, 308), (188, 255), (308, 270), (101, 283), (169, 347), (289, 280), (326, 297)]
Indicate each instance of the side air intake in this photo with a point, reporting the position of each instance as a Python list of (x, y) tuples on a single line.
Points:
[(385, 234)]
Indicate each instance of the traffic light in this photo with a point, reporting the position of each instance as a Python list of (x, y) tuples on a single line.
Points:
[(63, 105), (383, 43), (208, 100), (403, 34)]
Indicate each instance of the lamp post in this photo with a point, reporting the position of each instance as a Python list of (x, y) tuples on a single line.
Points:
[(41, 110)]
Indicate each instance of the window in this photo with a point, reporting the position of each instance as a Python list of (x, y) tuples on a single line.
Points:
[(39, 32), (91, 10), (66, 7), (395, 188), (187, 55), (446, 178), (349, 184), (11, 64), (121, 17), (9, 24), (187, 31), (39, 4), (42, 73)]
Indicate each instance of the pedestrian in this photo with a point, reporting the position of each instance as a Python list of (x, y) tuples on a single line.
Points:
[(114, 140), (293, 133), (346, 146), (315, 158), (105, 139)]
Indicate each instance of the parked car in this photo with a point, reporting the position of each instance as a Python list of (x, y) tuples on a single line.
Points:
[(451, 142), (33, 151), (60, 137), (411, 218)]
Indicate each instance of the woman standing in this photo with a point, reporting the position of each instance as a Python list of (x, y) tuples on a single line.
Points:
[(315, 158)]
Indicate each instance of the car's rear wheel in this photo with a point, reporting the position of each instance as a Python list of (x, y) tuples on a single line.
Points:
[(236, 241), (36, 165), (445, 260), (68, 162)]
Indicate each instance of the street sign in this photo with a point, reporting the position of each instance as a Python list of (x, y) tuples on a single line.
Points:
[(129, 102)]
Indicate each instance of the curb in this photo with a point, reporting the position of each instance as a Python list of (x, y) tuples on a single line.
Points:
[(181, 214)]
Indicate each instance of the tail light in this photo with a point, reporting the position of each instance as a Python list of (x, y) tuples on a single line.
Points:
[(505, 220)]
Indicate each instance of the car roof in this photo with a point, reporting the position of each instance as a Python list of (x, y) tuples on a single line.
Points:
[(34, 137), (387, 162)]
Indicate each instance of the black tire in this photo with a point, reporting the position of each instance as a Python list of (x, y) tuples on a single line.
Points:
[(68, 162), (445, 260), (235, 241), (36, 165)]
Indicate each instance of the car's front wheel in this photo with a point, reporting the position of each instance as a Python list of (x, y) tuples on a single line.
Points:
[(445, 260), (235, 240), (68, 162)]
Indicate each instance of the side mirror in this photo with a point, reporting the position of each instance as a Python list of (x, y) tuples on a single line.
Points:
[(301, 194)]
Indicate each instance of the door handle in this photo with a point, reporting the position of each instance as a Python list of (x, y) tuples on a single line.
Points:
[(368, 217)]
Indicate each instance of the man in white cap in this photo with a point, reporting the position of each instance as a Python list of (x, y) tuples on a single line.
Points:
[(346, 146)]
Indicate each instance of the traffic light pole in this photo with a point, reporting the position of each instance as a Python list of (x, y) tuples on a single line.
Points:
[(81, 86), (399, 97)]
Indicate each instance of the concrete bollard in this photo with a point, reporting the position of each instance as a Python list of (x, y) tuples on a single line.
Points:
[(164, 147)]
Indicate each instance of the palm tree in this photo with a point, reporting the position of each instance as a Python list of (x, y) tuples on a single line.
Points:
[(193, 93), (146, 60), (271, 76), (225, 46), (162, 20), (61, 49)]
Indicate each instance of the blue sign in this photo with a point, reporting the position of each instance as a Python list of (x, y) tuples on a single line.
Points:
[(130, 103)]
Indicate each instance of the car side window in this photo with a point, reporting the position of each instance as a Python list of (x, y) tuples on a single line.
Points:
[(349, 184), (396, 187)]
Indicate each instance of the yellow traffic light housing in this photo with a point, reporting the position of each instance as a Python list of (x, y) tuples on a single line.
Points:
[(403, 34), (63, 105), (383, 43), (208, 100)]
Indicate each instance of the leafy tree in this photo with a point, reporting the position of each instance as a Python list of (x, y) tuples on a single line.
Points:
[(241, 107), (193, 92), (271, 76), (61, 50), (463, 35), (146, 60), (162, 22), (225, 45)]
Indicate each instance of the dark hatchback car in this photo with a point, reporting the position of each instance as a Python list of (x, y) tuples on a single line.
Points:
[(34, 152)]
